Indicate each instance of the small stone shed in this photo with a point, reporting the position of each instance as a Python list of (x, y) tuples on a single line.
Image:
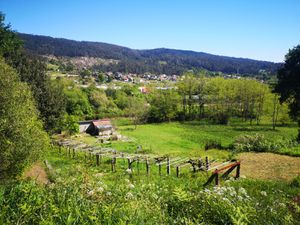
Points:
[(100, 127)]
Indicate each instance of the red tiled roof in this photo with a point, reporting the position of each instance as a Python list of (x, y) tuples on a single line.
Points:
[(102, 122)]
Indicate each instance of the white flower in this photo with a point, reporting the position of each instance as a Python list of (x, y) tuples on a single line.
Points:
[(240, 198), (129, 195), (108, 193), (243, 191), (127, 181), (100, 189), (91, 192), (131, 186), (263, 193), (129, 171)]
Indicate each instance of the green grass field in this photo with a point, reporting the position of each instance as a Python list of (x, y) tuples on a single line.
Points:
[(189, 138)]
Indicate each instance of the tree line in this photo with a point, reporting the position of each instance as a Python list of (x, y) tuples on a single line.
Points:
[(159, 61)]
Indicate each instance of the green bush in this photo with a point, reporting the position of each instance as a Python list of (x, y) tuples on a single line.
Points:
[(212, 144), (247, 143), (296, 182), (258, 143)]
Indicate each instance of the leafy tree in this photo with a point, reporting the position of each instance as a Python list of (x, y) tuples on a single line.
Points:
[(10, 43), (22, 139), (78, 103), (32, 69), (71, 124), (137, 109), (288, 85), (163, 106)]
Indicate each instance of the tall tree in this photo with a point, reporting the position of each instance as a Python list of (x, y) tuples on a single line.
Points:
[(22, 139), (288, 85), (32, 69)]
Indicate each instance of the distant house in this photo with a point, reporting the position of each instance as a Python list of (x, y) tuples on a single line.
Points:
[(144, 90), (83, 125), (100, 127)]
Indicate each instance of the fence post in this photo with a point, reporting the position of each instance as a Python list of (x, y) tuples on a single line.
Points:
[(159, 169), (113, 166), (129, 163), (238, 171), (216, 178), (138, 165), (168, 166), (177, 171), (97, 159), (147, 167), (200, 164), (206, 163), (73, 153)]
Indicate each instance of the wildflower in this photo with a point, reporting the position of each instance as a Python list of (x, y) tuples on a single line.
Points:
[(154, 196), (108, 193), (242, 191), (263, 193), (129, 171), (131, 186), (90, 193), (129, 195), (240, 198), (98, 175), (100, 189)]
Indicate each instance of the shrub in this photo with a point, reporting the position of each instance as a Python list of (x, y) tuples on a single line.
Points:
[(212, 144), (247, 143), (296, 182)]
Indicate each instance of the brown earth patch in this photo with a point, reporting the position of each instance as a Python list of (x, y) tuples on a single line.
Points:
[(269, 166), (37, 172)]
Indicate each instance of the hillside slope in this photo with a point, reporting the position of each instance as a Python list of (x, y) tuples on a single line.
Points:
[(168, 61)]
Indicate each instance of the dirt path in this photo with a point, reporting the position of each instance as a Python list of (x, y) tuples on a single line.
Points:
[(269, 166), (38, 173)]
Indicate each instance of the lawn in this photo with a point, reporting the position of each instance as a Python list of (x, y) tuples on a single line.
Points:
[(190, 138)]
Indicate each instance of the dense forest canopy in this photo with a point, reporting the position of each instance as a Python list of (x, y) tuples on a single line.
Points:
[(166, 61)]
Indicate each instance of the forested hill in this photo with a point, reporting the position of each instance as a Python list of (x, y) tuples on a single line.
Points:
[(168, 61)]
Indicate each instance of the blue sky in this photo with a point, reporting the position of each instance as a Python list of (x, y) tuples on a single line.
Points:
[(258, 29)]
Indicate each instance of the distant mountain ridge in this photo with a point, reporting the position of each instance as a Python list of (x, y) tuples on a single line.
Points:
[(161, 60)]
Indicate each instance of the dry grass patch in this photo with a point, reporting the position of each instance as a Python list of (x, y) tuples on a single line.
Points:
[(269, 166), (37, 173)]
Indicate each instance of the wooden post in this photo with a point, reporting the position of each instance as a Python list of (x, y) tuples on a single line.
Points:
[(69, 152), (200, 164), (113, 166), (159, 169), (206, 163), (168, 166), (138, 165), (73, 153), (129, 163), (97, 159), (147, 167), (238, 171), (217, 178), (177, 171)]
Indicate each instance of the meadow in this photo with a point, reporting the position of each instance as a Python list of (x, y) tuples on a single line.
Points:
[(77, 191)]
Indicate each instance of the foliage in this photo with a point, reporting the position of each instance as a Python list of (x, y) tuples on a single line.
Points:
[(85, 194), (141, 61), (163, 106), (212, 144), (32, 70), (22, 138), (289, 82), (296, 182), (71, 124), (10, 43), (258, 143)]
